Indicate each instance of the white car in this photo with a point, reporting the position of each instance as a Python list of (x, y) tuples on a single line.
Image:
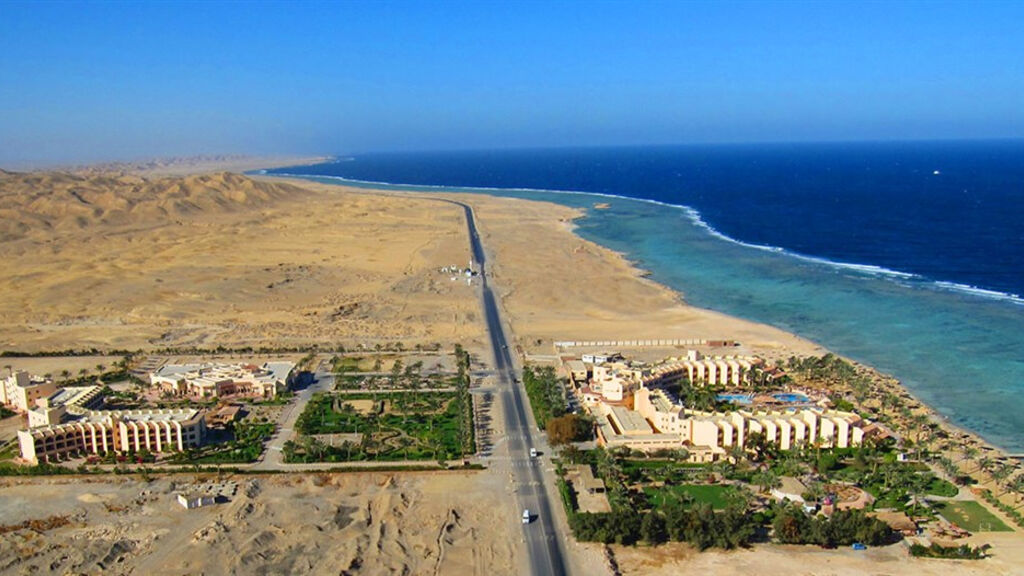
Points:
[(533, 452), (526, 516)]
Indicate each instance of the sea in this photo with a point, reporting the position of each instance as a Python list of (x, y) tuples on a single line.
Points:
[(907, 256)]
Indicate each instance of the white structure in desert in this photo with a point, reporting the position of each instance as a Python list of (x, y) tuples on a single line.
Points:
[(220, 380)]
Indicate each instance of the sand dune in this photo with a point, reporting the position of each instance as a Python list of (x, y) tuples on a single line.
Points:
[(119, 261), (38, 203)]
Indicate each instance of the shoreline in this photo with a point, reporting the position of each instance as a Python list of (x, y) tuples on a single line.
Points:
[(882, 383)]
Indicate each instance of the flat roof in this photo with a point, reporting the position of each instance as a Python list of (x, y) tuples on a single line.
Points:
[(70, 394), (630, 421)]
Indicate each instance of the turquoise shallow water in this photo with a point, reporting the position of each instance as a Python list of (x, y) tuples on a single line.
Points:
[(962, 354)]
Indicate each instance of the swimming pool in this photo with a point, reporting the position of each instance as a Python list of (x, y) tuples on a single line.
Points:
[(736, 398), (792, 398)]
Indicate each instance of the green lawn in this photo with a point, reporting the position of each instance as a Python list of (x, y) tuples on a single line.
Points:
[(717, 496), (971, 515), (401, 425), (940, 487), (659, 470)]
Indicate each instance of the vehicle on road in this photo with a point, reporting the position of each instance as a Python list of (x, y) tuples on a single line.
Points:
[(526, 516), (533, 452)]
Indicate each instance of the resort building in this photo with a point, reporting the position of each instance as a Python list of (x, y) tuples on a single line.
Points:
[(704, 370), (615, 381), (620, 427), (577, 372), (102, 431), (55, 408), (70, 421), (20, 391), (220, 380), (656, 422)]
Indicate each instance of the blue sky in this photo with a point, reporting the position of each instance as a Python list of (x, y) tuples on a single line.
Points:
[(97, 81)]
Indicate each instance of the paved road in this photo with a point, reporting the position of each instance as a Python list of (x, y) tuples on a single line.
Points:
[(273, 456), (542, 539)]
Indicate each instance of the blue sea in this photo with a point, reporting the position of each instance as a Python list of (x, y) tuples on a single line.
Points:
[(905, 256)]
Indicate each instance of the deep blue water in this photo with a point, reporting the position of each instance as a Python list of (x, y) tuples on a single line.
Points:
[(906, 256)]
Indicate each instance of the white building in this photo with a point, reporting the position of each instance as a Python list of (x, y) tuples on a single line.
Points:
[(196, 500), (102, 431), (656, 422), (704, 370), (784, 428), (219, 380), (20, 391), (69, 422)]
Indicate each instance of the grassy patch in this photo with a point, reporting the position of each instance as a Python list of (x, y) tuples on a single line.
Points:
[(972, 516), (396, 426), (348, 364), (940, 487), (717, 496)]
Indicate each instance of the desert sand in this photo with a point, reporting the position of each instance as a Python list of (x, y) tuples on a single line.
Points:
[(123, 262), (297, 524), (555, 285), (192, 165)]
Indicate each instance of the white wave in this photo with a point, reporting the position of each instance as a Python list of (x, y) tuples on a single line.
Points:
[(695, 217), (983, 292)]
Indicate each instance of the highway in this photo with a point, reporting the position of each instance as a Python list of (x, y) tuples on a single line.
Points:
[(544, 545)]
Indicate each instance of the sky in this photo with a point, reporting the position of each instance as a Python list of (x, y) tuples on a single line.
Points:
[(97, 81)]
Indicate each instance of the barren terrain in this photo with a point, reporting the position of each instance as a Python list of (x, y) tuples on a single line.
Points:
[(118, 261), (309, 524)]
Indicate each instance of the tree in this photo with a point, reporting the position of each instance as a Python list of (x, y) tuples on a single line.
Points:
[(396, 371), (985, 464), (568, 428), (765, 480), (969, 452), (1002, 473), (652, 529)]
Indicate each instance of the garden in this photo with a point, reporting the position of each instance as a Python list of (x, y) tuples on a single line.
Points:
[(411, 424)]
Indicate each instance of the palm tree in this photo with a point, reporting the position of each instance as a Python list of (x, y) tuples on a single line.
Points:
[(1001, 474), (985, 464), (1017, 485), (949, 467), (766, 480)]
